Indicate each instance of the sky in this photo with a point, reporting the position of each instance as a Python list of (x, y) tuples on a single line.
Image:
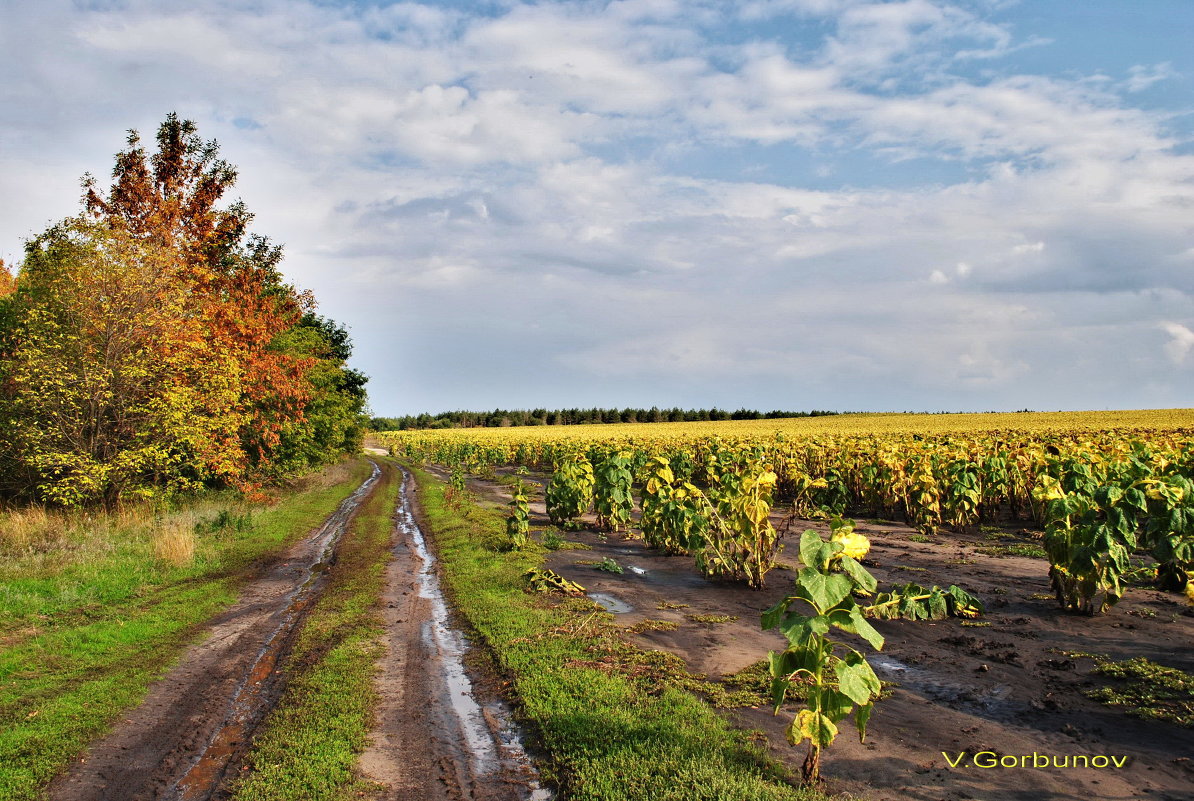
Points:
[(775, 204)]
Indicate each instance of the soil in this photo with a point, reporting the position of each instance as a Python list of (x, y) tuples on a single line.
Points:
[(189, 735), (1007, 688), (439, 736)]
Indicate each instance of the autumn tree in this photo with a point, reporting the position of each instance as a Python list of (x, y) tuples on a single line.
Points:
[(172, 198), (112, 387), (152, 343)]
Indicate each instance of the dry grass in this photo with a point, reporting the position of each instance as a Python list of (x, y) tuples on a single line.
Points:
[(174, 540)]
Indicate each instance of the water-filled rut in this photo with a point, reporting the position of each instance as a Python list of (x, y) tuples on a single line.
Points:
[(436, 737), (197, 721)]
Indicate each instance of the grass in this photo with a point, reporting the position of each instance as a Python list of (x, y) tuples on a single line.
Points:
[(308, 745), (612, 724), (92, 613)]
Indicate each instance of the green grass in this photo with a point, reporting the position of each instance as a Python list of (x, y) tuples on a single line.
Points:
[(91, 617), (309, 744), (613, 721)]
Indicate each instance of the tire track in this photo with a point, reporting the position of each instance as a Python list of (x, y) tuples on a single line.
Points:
[(197, 721)]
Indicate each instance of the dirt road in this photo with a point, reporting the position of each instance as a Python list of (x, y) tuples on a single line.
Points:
[(433, 740), (197, 720), (437, 737)]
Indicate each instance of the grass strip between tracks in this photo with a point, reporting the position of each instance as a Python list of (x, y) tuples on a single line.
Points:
[(96, 634), (308, 745), (612, 725)]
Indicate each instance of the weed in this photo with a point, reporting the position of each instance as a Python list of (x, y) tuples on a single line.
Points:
[(609, 566), (670, 605), (653, 625), (919, 538), (1017, 549), (1147, 690), (710, 620)]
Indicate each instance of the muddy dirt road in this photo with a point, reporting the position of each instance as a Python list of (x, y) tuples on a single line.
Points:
[(196, 721), (438, 737)]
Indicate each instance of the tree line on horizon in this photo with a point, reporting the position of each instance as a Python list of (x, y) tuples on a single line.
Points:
[(150, 345), (566, 417)]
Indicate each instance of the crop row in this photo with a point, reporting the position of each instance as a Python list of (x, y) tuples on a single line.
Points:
[(1101, 496)]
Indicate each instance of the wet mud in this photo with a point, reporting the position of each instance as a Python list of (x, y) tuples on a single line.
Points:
[(438, 735), (1007, 687), (187, 738)]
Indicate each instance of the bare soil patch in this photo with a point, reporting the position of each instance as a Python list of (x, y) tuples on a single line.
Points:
[(1008, 687)]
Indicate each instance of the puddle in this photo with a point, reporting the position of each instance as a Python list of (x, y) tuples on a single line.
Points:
[(637, 570), (491, 749), (610, 604), (981, 701), (256, 691)]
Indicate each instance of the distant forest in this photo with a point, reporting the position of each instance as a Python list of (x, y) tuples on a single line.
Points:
[(571, 417)]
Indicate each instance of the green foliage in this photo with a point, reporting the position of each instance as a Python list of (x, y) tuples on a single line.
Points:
[(672, 516), (837, 677), (518, 521), (611, 494), (914, 602), (609, 566), (739, 541), (570, 491), (1089, 538)]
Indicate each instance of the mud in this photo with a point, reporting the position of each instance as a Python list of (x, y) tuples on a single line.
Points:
[(438, 736), (189, 735), (1008, 687)]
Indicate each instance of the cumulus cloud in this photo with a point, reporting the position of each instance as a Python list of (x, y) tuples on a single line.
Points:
[(1181, 342), (629, 202)]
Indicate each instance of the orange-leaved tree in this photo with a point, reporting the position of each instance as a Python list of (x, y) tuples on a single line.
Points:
[(112, 388), (152, 343), (172, 198)]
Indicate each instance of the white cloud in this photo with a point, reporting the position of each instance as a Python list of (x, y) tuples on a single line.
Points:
[(1181, 342), (1141, 76), (561, 178)]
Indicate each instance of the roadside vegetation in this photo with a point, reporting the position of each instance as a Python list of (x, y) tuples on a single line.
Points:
[(94, 606), (617, 723)]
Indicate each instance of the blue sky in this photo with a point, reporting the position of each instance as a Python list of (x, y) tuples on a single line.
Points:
[(795, 204)]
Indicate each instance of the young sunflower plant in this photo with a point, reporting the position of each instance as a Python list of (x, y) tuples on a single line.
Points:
[(839, 681)]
